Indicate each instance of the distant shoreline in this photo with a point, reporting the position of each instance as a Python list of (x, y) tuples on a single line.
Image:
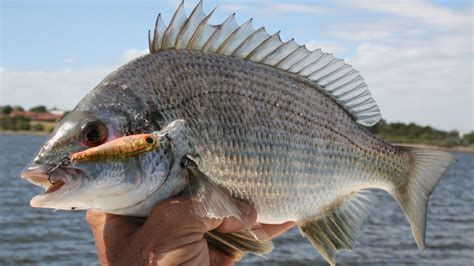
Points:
[(469, 149), (438, 147)]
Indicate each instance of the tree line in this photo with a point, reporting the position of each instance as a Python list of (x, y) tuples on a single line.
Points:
[(21, 123), (413, 133)]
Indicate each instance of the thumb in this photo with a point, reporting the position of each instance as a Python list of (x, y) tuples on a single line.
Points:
[(176, 217), (110, 232)]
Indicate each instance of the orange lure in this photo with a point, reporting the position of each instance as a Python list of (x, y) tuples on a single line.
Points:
[(117, 149)]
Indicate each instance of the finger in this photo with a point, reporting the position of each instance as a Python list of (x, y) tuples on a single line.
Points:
[(95, 218), (217, 258), (274, 230), (177, 216), (185, 255), (233, 224), (110, 232)]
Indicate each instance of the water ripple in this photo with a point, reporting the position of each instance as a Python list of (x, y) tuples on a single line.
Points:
[(41, 237)]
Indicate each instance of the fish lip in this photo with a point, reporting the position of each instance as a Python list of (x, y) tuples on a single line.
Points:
[(37, 175)]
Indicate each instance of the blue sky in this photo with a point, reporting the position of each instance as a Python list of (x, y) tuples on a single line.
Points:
[(416, 56)]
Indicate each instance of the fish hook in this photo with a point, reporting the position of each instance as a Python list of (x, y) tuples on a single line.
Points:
[(63, 162)]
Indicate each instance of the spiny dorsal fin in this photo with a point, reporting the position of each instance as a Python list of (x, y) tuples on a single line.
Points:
[(336, 229), (336, 78)]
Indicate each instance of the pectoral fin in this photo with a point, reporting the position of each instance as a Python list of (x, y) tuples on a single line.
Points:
[(215, 202), (336, 229), (235, 245)]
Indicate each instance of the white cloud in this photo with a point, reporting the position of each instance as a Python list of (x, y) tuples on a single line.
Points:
[(419, 10), (327, 47), (62, 88), (426, 79), (362, 31), (133, 53), (68, 60), (297, 8), (418, 63), (232, 7)]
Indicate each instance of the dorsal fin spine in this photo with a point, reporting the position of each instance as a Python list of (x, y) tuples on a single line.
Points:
[(296, 58), (345, 88), (351, 92), (169, 30), (289, 56), (331, 72), (187, 24), (246, 39), (306, 61), (324, 67), (260, 46), (156, 45), (317, 53), (199, 29), (317, 64), (332, 76), (218, 31), (150, 41), (233, 34), (343, 72), (283, 44), (357, 105), (342, 86)]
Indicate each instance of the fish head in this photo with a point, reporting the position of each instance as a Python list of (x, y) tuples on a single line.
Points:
[(113, 186)]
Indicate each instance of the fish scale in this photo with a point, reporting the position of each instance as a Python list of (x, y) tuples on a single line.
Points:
[(311, 127)]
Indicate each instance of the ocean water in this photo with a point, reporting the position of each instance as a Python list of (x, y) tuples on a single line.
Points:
[(41, 237)]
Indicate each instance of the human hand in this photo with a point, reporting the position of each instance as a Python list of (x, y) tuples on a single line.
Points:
[(171, 235)]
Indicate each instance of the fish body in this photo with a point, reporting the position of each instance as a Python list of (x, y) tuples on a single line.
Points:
[(267, 136), (266, 122)]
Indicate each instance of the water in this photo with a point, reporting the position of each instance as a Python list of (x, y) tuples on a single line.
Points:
[(41, 237)]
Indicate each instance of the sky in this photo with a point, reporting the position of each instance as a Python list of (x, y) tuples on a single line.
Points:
[(416, 56)]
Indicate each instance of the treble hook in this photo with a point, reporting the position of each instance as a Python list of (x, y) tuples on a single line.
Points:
[(64, 162)]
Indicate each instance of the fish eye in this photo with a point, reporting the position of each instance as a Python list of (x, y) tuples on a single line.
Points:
[(93, 133)]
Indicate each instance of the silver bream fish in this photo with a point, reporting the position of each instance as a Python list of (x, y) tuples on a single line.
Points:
[(237, 113)]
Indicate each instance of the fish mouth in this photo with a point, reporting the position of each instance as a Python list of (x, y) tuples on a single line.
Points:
[(63, 182)]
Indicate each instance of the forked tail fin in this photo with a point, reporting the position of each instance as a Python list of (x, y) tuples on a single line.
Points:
[(427, 168)]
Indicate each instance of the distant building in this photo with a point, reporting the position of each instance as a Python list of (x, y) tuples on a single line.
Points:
[(56, 111), (34, 116)]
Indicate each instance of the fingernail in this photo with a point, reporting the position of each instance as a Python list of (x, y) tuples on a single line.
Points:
[(260, 234), (257, 226)]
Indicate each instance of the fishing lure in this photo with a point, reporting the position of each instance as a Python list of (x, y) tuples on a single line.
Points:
[(120, 148)]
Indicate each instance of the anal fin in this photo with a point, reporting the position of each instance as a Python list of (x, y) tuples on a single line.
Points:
[(336, 229)]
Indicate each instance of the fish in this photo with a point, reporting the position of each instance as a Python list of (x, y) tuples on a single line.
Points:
[(239, 114)]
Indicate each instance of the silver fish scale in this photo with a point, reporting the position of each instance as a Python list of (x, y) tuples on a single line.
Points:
[(269, 137)]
